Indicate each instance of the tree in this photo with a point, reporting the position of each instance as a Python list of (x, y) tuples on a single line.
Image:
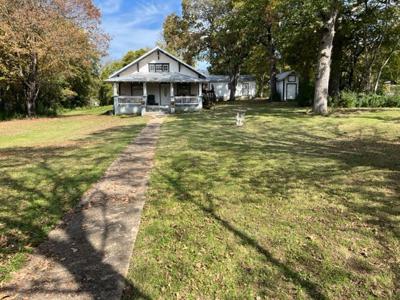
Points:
[(261, 71), (211, 30), (179, 40), (105, 89), (229, 46), (39, 41), (132, 55), (261, 17), (324, 61), (333, 44)]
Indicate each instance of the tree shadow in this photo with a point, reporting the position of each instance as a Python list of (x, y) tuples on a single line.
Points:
[(79, 244), (318, 161), (312, 288)]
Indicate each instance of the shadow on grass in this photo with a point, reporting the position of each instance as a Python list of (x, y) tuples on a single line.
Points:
[(181, 192), (41, 186), (326, 161)]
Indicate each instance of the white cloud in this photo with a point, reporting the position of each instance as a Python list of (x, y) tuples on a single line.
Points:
[(110, 6)]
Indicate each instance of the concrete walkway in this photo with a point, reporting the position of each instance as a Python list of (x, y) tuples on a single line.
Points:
[(88, 257)]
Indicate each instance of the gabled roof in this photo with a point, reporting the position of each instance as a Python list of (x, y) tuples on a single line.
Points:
[(157, 77), (225, 78), (149, 53), (284, 75)]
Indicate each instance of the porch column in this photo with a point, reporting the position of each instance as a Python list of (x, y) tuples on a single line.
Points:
[(115, 97), (145, 89), (172, 106), (115, 89), (200, 89), (144, 101), (200, 95)]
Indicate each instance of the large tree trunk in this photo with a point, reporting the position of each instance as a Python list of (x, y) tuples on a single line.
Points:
[(272, 75), (324, 64), (32, 86), (233, 79), (272, 69), (31, 94)]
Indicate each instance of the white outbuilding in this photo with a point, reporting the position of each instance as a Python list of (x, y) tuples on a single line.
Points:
[(246, 87), (287, 85)]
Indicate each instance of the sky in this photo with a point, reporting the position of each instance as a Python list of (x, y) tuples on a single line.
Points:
[(134, 24)]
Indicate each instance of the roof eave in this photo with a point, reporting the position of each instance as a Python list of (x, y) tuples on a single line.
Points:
[(150, 52), (119, 80)]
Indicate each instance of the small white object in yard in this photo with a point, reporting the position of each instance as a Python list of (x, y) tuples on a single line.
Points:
[(240, 118)]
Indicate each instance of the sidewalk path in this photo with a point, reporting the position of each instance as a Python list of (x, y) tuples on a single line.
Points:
[(88, 257)]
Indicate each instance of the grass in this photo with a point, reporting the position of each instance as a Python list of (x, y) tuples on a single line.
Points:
[(289, 206), (46, 165)]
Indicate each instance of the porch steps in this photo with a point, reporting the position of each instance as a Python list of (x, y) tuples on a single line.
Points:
[(157, 110), (155, 113)]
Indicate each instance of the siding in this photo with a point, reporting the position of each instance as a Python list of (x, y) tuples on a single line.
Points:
[(153, 58), (221, 89)]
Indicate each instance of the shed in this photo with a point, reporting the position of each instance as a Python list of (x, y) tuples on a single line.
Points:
[(287, 85), (246, 86)]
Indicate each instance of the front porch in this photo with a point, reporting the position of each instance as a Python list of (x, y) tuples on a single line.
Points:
[(171, 97)]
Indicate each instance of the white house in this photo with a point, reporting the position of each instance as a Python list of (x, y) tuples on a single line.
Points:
[(159, 81), (246, 86), (287, 85)]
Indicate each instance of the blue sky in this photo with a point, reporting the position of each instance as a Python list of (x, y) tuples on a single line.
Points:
[(134, 24)]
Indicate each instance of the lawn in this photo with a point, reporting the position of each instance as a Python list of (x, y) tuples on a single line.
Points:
[(46, 165), (289, 206)]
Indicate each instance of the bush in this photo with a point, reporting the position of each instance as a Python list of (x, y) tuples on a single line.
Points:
[(349, 99)]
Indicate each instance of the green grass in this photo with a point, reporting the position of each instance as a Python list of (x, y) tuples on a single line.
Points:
[(46, 165), (289, 206)]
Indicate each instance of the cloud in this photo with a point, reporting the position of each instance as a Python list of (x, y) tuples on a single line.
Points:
[(110, 6)]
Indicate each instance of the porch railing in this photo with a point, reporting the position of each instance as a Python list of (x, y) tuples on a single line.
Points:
[(187, 100), (126, 100)]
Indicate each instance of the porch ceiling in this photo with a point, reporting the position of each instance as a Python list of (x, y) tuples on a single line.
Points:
[(157, 77)]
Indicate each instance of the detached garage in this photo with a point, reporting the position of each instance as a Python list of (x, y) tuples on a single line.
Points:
[(287, 85)]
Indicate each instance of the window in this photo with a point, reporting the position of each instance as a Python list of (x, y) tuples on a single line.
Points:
[(183, 89), (137, 89), (292, 78), (158, 68)]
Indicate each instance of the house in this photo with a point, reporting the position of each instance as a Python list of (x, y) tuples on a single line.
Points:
[(287, 85), (159, 81), (246, 86)]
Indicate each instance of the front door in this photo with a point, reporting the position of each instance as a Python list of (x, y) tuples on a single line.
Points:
[(291, 91), (165, 94), (245, 89)]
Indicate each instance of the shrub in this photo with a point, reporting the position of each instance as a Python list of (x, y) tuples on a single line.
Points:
[(346, 99), (393, 101), (349, 99)]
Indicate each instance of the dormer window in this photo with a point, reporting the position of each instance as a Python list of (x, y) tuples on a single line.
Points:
[(158, 68)]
